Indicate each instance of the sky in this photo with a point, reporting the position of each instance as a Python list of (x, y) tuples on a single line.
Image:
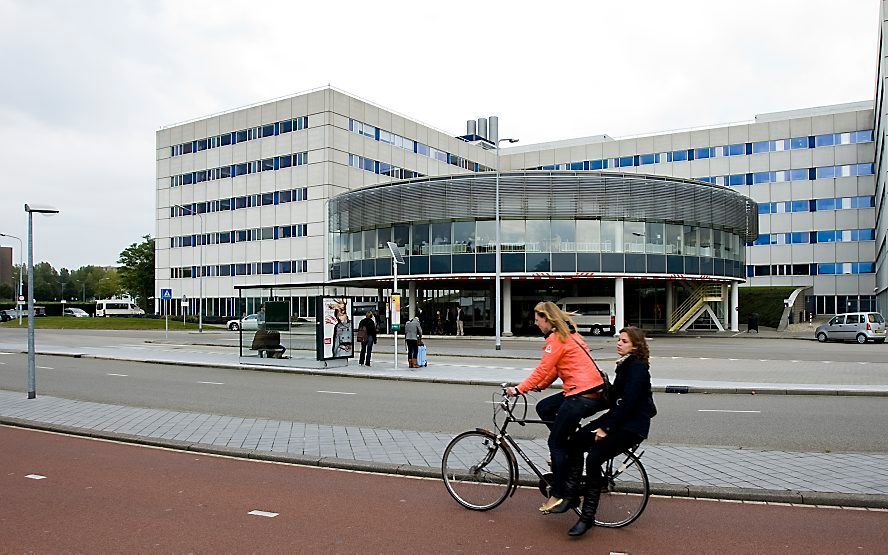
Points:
[(87, 84)]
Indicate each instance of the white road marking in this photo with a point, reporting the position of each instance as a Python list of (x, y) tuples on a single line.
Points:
[(213, 383), (826, 361), (733, 359), (676, 358), (263, 513), (1, 353), (763, 360), (863, 363), (338, 392), (725, 410), (2, 363), (121, 375), (45, 368), (703, 358), (35, 477), (794, 361)]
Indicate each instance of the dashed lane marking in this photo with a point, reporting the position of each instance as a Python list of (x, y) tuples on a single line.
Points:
[(213, 383), (45, 368), (263, 513), (338, 392), (726, 410), (121, 375), (35, 477)]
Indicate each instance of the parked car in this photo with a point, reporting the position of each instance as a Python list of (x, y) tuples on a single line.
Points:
[(4, 317), (75, 312), (250, 322), (859, 326)]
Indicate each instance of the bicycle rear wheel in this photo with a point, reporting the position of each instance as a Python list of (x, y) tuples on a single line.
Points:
[(624, 492), (478, 472)]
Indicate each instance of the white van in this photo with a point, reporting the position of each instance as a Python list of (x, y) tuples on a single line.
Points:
[(117, 307), (597, 314)]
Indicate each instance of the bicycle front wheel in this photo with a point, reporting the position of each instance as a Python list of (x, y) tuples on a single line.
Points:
[(478, 471), (624, 491)]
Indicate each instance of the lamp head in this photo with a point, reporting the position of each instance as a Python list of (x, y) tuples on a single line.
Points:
[(40, 209)]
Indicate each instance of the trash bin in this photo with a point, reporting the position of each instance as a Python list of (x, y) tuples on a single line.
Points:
[(752, 322)]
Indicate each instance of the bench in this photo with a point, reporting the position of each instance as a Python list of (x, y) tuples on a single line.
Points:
[(268, 344)]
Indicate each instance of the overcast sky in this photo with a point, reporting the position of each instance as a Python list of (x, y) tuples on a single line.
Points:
[(86, 84)]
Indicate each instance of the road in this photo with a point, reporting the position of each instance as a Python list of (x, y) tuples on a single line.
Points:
[(66, 494), (793, 423)]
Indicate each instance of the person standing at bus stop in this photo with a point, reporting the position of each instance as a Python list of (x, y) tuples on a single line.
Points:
[(367, 337), (412, 335)]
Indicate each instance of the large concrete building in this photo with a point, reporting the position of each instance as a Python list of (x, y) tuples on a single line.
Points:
[(308, 189)]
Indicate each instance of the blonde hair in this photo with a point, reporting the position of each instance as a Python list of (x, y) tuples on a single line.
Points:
[(560, 320)]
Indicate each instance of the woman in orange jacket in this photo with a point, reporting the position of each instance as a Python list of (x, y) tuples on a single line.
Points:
[(565, 356)]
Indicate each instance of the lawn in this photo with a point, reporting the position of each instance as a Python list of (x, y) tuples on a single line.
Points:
[(66, 323)]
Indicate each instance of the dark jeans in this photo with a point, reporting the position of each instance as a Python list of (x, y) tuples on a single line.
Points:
[(412, 348), (565, 414), (367, 349), (612, 445)]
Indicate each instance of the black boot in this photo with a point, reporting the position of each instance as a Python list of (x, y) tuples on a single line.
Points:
[(571, 487), (587, 516)]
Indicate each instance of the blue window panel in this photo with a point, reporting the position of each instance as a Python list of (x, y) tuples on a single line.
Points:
[(645, 159), (735, 150), (764, 208), (596, 165), (749, 179), (798, 174), (267, 164), (747, 149), (585, 165), (826, 203), (680, 155), (285, 161), (625, 161), (799, 237), (864, 169), (825, 172), (862, 136), (286, 126), (826, 236), (750, 271), (563, 262), (576, 165), (240, 169), (798, 142), (737, 179), (761, 146), (864, 267), (226, 139), (824, 140), (701, 153), (761, 177), (285, 267), (241, 136), (811, 142), (866, 234)]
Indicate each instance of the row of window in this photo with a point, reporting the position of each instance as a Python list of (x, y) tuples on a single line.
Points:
[(816, 205), (234, 203), (248, 269), (806, 237), (382, 168), (799, 174), (240, 235), (538, 236), (739, 149), (815, 269), (234, 137), (377, 134), (234, 170)]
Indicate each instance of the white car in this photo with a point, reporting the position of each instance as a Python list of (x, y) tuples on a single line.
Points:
[(75, 312), (250, 322)]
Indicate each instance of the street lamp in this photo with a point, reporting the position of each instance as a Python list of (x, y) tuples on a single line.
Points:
[(200, 277), (18, 298), (499, 302), (32, 364)]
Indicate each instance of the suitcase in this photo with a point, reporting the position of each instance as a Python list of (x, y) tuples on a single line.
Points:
[(421, 356)]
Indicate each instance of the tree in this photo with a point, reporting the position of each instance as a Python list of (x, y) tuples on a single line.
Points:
[(137, 270), (6, 291), (47, 286), (109, 285)]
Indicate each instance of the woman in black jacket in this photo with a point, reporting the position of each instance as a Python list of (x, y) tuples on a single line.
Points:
[(625, 425)]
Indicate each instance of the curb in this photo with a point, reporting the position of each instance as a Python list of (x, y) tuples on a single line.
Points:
[(677, 388), (874, 501)]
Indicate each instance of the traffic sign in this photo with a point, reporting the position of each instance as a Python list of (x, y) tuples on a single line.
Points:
[(166, 294)]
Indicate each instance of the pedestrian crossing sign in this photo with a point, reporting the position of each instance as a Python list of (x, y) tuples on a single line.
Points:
[(166, 294)]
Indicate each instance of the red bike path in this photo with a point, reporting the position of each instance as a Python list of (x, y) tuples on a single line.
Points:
[(101, 496)]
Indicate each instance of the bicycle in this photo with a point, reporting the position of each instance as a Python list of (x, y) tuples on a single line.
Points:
[(480, 470)]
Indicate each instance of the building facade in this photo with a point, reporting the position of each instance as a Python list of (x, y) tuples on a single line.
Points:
[(269, 195)]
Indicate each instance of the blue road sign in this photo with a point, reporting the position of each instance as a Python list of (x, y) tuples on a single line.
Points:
[(166, 294)]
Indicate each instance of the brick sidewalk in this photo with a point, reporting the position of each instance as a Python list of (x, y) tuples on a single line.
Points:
[(859, 479)]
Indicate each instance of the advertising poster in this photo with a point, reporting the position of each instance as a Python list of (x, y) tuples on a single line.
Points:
[(396, 312), (335, 328)]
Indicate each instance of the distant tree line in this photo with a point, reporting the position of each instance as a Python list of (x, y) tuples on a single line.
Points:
[(134, 276)]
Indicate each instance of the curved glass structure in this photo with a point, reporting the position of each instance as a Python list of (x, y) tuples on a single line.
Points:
[(552, 224)]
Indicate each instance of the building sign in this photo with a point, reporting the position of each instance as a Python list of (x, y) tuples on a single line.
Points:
[(335, 331), (396, 312)]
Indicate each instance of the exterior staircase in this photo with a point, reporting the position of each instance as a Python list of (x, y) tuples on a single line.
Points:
[(696, 304)]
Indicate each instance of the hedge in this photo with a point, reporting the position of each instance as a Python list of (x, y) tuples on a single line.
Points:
[(766, 301)]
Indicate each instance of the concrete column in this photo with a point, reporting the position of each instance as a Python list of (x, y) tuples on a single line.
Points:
[(411, 299), (507, 307), (620, 309), (670, 306), (726, 305), (735, 306)]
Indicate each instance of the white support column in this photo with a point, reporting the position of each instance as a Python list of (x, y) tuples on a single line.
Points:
[(726, 304), (735, 306), (670, 306), (619, 317), (507, 307), (411, 299)]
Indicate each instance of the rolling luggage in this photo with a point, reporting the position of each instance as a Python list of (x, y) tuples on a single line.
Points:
[(421, 356)]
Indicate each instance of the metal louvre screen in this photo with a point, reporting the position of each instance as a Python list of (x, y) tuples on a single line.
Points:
[(547, 195)]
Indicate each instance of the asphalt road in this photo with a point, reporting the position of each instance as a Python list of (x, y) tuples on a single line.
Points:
[(66, 494), (795, 423)]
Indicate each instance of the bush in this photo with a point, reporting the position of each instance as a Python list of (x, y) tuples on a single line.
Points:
[(766, 301)]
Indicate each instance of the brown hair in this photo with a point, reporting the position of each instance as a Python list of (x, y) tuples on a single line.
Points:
[(636, 336), (557, 317)]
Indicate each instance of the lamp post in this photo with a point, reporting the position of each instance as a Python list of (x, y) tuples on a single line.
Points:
[(18, 298), (32, 363), (199, 277), (497, 293)]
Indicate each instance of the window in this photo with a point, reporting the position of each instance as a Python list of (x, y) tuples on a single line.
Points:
[(611, 236)]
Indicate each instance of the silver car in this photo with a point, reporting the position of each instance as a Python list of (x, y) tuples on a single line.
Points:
[(857, 326)]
